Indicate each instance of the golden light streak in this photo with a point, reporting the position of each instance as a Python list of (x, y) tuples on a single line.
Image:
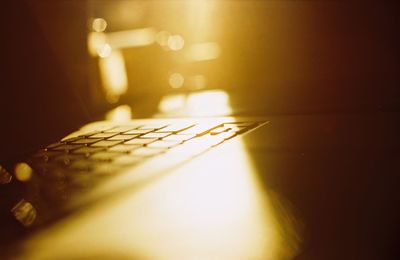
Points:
[(203, 51), (199, 19), (171, 103), (209, 103), (113, 75), (131, 38), (119, 114), (95, 41), (204, 103)]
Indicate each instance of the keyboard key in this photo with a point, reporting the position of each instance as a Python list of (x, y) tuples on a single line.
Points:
[(121, 129), (227, 135), (123, 148), (72, 139), (67, 147), (123, 137), (140, 141), (176, 127), (106, 143), (219, 130), (241, 124), (207, 140), (46, 155), (145, 151), (103, 135), (229, 128), (179, 137), (200, 129), (88, 150), (153, 126), (155, 135), (164, 144), (85, 135), (138, 131), (239, 127), (86, 141)]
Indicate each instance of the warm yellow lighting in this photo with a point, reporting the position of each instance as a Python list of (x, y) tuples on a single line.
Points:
[(101, 44), (104, 51), (211, 208), (119, 114), (203, 51), (99, 25), (176, 80), (176, 42), (209, 103), (204, 103), (131, 38), (95, 41), (162, 38), (113, 75), (200, 19), (23, 172), (198, 82), (171, 103)]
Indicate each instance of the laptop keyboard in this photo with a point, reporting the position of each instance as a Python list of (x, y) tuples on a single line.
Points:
[(66, 172), (83, 160)]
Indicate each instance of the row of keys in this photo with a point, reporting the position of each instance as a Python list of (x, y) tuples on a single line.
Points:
[(121, 146)]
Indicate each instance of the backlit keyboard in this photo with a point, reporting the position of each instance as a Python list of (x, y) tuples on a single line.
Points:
[(103, 152), (72, 173)]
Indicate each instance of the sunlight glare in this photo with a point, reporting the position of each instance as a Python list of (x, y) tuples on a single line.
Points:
[(211, 208), (119, 114), (207, 103), (203, 51), (113, 75), (104, 51), (131, 38)]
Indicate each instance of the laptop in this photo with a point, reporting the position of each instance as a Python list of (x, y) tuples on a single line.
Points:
[(197, 130)]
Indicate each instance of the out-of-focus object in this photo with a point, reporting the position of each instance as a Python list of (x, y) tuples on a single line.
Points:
[(5, 176), (23, 172), (99, 24), (113, 75), (24, 212)]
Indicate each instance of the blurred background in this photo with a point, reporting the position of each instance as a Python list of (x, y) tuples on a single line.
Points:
[(270, 56)]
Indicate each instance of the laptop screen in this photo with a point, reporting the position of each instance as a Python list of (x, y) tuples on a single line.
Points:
[(67, 62)]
